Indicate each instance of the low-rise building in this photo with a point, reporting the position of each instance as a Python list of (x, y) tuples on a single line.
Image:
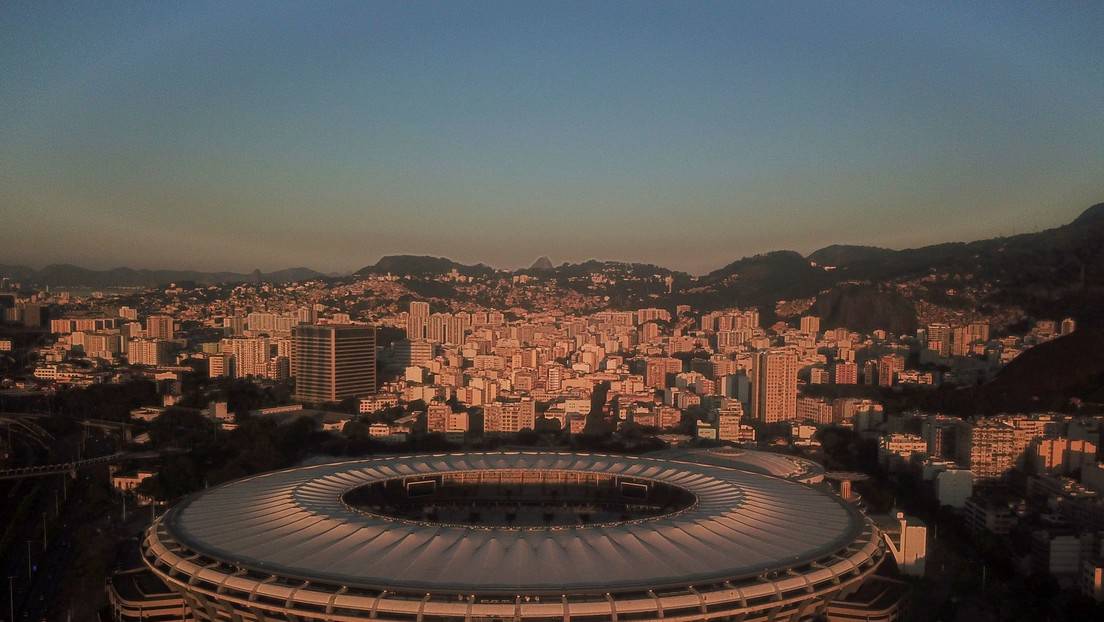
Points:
[(1062, 455), (953, 487), (377, 402), (907, 539), (987, 447), (995, 517), (895, 451), (1062, 554), (137, 595)]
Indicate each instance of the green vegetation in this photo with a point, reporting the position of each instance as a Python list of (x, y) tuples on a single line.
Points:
[(18, 517)]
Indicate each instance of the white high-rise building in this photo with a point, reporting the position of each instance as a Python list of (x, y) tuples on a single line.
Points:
[(152, 352), (810, 325), (417, 321), (251, 355), (775, 386)]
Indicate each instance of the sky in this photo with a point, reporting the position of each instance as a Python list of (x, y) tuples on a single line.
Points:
[(241, 135)]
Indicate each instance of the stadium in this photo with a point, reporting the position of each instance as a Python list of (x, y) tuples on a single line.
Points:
[(513, 536)]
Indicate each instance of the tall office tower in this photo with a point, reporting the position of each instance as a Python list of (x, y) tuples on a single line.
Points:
[(737, 386), (818, 376), (408, 353), (102, 345), (709, 321), (438, 327), (655, 373), (775, 386), (417, 327), (435, 327), (84, 323), (845, 372), (731, 320), (417, 321), (150, 352), (649, 331), (651, 315), (279, 368), (889, 365), (986, 447), (960, 341), (455, 328), (306, 315), (251, 355), (261, 322), (465, 321), (555, 378), (979, 331), (940, 434), (870, 372), (622, 318), (284, 324), (939, 338), (333, 362), (159, 327), (234, 325), (728, 340), (220, 365), (814, 409), (33, 314), (810, 325)]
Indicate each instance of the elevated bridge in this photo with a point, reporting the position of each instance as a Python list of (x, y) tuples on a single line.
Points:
[(26, 420), (72, 467)]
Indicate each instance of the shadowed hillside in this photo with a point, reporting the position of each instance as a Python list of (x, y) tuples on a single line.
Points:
[(1045, 377), (866, 308)]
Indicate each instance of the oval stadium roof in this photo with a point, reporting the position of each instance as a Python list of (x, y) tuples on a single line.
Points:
[(294, 523), (788, 467)]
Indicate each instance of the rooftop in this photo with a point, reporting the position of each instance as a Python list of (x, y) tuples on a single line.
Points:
[(296, 523)]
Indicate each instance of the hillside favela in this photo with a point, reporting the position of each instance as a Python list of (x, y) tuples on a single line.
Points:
[(626, 312)]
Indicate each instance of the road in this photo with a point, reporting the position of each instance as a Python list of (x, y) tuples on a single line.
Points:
[(39, 571)]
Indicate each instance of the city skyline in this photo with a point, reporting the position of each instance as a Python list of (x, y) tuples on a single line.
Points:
[(222, 138), (606, 311), (303, 272)]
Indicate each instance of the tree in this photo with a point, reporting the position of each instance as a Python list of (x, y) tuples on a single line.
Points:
[(596, 424)]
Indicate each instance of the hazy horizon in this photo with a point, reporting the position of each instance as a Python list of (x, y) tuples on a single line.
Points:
[(221, 137), (523, 265)]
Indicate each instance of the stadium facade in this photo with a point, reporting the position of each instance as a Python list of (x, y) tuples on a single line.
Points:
[(513, 536)]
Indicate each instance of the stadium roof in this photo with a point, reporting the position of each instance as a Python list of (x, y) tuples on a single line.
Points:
[(295, 524), (779, 465)]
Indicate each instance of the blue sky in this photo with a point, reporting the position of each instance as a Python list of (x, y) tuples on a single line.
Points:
[(241, 135)]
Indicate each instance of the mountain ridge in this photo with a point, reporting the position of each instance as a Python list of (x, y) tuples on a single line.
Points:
[(542, 263), (1052, 263), (421, 265), (69, 275)]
